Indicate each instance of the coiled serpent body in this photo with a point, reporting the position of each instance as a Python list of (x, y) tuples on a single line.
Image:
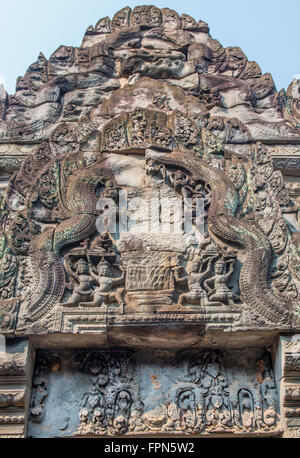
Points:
[(49, 277), (256, 292), (222, 223)]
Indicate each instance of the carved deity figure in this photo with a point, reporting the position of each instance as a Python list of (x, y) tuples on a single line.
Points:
[(187, 407), (246, 409), (270, 415), (268, 390), (178, 180), (186, 186), (92, 412), (81, 292), (156, 170), (104, 243), (136, 421), (122, 411), (103, 293), (215, 390), (195, 281), (123, 403), (283, 280), (217, 286), (139, 124), (99, 416)]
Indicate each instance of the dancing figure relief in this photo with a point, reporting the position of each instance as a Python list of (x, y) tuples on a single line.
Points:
[(197, 274), (93, 286), (104, 294), (217, 287), (82, 291)]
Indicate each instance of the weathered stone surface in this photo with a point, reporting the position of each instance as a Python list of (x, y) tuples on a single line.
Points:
[(151, 117), (287, 371), (16, 366), (125, 393)]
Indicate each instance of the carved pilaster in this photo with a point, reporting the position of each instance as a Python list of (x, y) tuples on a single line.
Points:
[(288, 375), (15, 385)]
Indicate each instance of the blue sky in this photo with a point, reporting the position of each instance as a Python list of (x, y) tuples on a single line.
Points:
[(266, 30)]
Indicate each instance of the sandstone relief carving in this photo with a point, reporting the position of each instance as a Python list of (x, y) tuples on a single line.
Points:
[(61, 211), (201, 394), (15, 368), (51, 204), (149, 189)]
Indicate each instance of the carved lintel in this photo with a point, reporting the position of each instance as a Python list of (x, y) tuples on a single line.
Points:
[(119, 392)]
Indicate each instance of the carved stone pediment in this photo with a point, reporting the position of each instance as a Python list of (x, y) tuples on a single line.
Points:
[(55, 232), (149, 197), (52, 233)]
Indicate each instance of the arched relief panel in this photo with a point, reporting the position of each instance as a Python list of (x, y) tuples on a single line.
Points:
[(148, 262), (151, 116)]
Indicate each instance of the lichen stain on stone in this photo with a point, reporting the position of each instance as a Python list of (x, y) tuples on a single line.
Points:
[(154, 380), (260, 372), (55, 367)]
